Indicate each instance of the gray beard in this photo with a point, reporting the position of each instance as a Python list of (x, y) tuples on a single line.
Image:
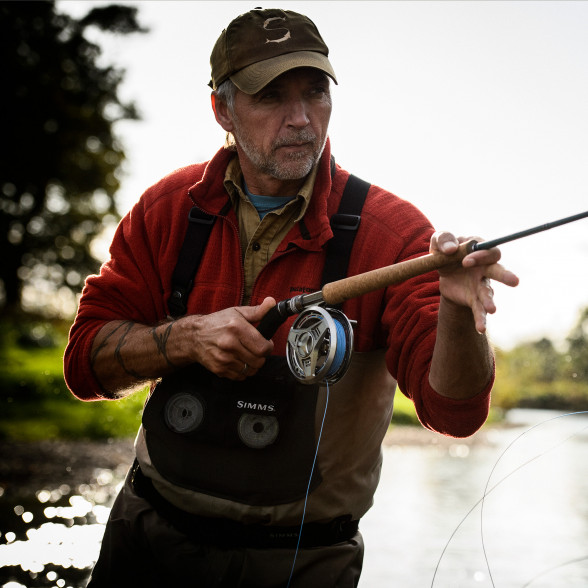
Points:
[(298, 166)]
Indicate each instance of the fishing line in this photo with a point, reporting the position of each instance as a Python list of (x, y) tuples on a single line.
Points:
[(308, 487), (561, 565), (487, 490), (538, 456), (340, 351)]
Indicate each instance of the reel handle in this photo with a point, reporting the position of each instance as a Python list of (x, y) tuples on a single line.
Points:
[(337, 292)]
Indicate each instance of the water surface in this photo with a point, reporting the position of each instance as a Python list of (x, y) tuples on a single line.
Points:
[(508, 512)]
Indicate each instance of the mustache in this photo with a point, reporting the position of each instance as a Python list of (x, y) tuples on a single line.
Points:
[(304, 136)]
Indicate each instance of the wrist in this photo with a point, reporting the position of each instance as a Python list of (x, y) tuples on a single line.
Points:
[(454, 315), (180, 335)]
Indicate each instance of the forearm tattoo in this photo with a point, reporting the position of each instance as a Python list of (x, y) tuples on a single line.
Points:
[(161, 341), (123, 329)]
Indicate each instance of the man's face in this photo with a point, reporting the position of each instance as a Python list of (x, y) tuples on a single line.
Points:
[(281, 131)]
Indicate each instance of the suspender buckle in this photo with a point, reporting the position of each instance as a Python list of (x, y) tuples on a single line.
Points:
[(345, 222), (198, 216)]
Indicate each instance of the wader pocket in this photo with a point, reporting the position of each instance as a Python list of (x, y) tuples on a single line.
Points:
[(251, 442)]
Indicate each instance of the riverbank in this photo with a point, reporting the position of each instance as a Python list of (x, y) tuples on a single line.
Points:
[(27, 466)]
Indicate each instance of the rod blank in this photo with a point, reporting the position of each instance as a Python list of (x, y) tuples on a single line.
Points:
[(527, 232), (342, 290), (337, 292)]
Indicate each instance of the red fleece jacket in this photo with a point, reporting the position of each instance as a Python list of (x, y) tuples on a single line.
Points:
[(135, 283)]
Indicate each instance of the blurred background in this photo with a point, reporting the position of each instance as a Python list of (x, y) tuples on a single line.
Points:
[(474, 111)]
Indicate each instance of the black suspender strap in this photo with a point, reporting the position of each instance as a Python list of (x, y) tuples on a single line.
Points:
[(344, 225), (199, 229)]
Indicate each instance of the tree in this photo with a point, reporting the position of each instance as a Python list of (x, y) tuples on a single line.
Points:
[(58, 172), (577, 342), (536, 361)]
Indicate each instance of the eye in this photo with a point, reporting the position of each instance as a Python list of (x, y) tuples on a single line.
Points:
[(268, 95), (319, 87), (319, 91)]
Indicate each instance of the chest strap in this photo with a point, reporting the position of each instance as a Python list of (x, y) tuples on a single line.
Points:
[(197, 234), (344, 225)]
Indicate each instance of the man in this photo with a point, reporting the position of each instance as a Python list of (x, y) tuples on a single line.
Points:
[(245, 477)]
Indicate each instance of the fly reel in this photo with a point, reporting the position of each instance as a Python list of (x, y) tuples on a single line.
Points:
[(320, 344)]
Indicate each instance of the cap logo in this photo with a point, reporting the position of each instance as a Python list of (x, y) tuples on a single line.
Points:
[(266, 27)]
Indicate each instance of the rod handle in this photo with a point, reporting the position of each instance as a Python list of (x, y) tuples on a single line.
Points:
[(342, 290), (273, 319)]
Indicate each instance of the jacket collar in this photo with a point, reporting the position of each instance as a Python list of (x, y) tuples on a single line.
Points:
[(310, 233)]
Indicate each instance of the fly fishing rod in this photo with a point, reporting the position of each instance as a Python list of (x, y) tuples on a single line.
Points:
[(314, 351)]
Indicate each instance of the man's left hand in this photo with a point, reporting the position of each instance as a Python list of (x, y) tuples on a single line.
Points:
[(469, 283)]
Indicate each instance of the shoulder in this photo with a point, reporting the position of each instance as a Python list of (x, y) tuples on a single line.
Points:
[(391, 229), (388, 216), (392, 212), (175, 183)]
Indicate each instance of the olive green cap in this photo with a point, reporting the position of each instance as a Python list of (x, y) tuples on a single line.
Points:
[(261, 45)]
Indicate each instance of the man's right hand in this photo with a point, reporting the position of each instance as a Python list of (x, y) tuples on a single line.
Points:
[(226, 342), (127, 355)]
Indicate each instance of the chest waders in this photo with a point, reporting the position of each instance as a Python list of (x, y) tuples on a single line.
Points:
[(253, 441)]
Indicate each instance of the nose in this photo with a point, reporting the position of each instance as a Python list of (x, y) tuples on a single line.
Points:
[(296, 114)]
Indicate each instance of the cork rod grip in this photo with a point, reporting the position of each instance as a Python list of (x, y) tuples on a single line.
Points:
[(342, 290)]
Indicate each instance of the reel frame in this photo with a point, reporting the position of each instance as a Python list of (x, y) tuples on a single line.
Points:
[(316, 350)]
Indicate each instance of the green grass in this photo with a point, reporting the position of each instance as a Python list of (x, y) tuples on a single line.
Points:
[(36, 404), (404, 411)]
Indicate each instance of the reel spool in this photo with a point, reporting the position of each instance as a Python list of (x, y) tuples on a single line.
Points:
[(320, 344)]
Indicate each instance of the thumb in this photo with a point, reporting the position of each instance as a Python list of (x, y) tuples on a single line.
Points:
[(255, 313)]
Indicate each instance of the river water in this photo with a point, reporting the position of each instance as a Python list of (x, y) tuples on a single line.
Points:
[(509, 511)]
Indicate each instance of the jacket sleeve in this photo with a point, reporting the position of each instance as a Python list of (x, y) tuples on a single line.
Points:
[(409, 316), (128, 287)]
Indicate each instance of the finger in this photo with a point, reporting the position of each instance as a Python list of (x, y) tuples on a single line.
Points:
[(233, 366), (479, 317), (252, 339), (242, 371), (254, 314), (251, 358), (443, 242), (501, 274), (486, 296), (482, 257), (247, 346)]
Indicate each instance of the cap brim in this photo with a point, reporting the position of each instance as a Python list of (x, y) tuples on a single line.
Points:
[(253, 78)]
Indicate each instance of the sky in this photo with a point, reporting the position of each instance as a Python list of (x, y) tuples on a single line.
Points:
[(476, 112)]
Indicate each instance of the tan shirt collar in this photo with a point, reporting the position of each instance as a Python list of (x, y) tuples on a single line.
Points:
[(234, 185)]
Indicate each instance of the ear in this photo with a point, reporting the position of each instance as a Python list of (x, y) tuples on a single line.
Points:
[(221, 113)]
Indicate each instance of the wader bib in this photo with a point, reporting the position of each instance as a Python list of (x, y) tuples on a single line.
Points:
[(252, 441)]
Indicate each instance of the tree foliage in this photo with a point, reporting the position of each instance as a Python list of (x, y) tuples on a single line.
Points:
[(537, 374), (58, 172), (577, 342)]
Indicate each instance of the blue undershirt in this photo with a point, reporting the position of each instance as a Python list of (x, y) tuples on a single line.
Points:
[(265, 204)]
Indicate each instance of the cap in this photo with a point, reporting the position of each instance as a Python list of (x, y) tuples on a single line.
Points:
[(262, 44)]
